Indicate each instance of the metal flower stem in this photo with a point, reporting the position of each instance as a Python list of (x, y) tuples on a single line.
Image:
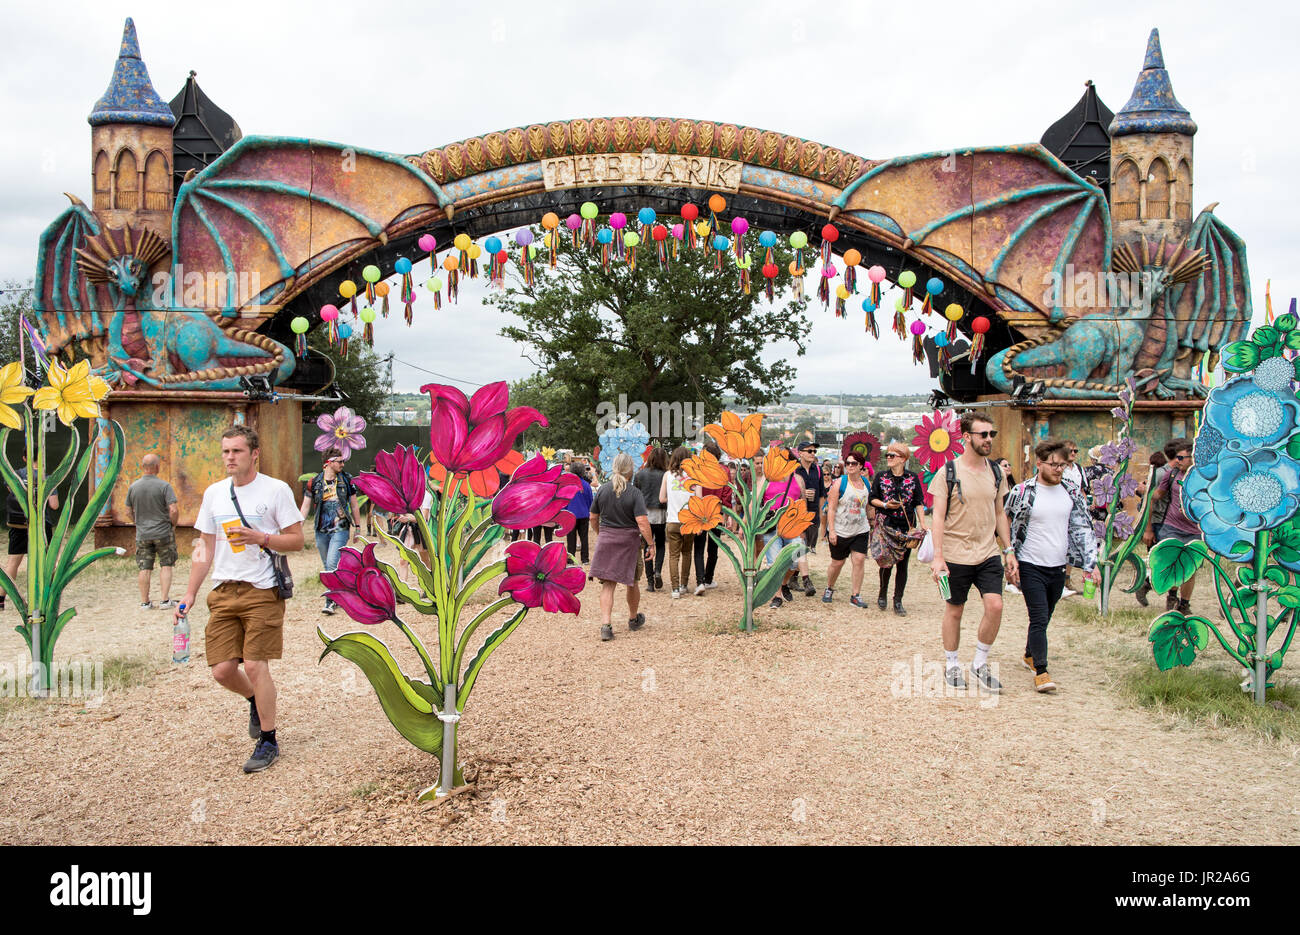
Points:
[(35, 552), (1260, 586)]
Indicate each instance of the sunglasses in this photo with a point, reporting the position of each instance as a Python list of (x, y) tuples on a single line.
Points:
[(893, 455), (1074, 451), (992, 434), (1182, 457), (852, 463)]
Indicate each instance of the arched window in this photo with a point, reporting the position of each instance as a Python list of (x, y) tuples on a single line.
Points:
[(1124, 192), (1157, 200), (103, 182), (128, 182), (157, 183), (1183, 192)]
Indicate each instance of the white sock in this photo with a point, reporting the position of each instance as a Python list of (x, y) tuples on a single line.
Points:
[(952, 658), (981, 654)]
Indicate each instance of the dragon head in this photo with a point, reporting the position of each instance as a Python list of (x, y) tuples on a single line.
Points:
[(123, 267), (1152, 270)]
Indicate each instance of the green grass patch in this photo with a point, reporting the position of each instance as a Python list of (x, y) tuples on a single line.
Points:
[(365, 789), (123, 672), (1213, 697)]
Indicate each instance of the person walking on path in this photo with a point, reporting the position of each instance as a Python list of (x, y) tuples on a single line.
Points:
[(245, 614), (1157, 463), (334, 495), (814, 492), (649, 480), (1075, 477), (618, 520), (968, 496), (676, 490), (1050, 528), (17, 523), (580, 507), (896, 495), (154, 511), (780, 494), (1176, 524), (706, 546), (848, 528)]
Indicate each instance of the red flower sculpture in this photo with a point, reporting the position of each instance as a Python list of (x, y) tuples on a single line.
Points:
[(536, 576), (398, 484), (536, 495), (475, 433), (360, 588)]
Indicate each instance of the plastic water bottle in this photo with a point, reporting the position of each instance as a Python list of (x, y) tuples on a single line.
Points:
[(181, 638)]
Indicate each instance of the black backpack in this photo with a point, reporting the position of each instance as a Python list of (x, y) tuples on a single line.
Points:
[(950, 475)]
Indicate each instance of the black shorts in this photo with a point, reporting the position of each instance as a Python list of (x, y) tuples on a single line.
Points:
[(18, 539), (987, 576), (847, 544)]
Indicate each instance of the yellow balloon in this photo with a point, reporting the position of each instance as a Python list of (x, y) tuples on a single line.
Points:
[(462, 241), (475, 251), (702, 228), (347, 288), (841, 291), (954, 312)]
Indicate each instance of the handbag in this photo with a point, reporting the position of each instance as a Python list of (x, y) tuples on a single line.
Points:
[(925, 553), (279, 562)]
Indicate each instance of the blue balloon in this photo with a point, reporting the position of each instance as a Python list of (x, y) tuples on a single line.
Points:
[(492, 245), (403, 266), (646, 215), (767, 238), (604, 235), (345, 330), (934, 286), (868, 306), (940, 340), (721, 243)]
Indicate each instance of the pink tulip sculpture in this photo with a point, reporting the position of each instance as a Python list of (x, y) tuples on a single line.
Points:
[(466, 434)]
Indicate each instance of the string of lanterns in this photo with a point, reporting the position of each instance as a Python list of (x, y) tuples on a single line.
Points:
[(618, 240)]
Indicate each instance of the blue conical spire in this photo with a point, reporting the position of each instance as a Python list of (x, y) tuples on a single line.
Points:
[(130, 97), (1153, 107)]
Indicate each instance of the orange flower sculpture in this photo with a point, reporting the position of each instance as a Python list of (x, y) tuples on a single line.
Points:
[(794, 519), (738, 438), (700, 515), (706, 471), (776, 466)]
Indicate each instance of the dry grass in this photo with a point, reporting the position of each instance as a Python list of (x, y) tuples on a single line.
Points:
[(826, 725)]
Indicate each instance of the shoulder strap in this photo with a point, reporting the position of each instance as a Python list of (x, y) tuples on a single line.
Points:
[(950, 475), (235, 500), (997, 476), (844, 484)]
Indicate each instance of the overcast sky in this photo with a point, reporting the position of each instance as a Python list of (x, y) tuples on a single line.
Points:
[(874, 79)]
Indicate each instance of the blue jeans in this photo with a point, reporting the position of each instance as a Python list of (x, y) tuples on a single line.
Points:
[(329, 544)]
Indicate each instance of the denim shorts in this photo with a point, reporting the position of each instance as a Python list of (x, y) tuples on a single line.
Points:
[(776, 543)]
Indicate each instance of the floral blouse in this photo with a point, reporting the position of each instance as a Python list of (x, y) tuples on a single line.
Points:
[(906, 489)]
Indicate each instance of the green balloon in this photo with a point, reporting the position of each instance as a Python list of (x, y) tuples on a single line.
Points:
[(798, 240), (435, 284), (532, 250), (907, 279), (589, 210), (631, 238), (299, 325), (898, 304), (367, 314), (370, 274)]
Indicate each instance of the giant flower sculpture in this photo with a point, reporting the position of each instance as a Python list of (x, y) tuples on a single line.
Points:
[(73, 393), (468, 436), (629, 438), (1243, 490), (342, 430), (738, 438), (938, 440)]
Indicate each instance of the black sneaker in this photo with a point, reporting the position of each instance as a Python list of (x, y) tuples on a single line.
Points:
[(659, 582), (808, 589), (984, 676), (776, 603), (254, 723), (828, 595), (882, 603), (636, 622), (786, 593), (264, 754), (1171, 601), (1184, 607), (898, 609), (650, 582), (606, 632), (1140, 595), (856, 601)]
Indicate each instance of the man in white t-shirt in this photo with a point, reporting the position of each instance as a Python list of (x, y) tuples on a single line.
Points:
[(246, 617), (1050, 528)]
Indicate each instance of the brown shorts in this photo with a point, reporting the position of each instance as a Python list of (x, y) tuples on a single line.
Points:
[(244, 622)]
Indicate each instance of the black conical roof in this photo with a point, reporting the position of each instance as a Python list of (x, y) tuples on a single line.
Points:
[(203, 130), (1081, 138)]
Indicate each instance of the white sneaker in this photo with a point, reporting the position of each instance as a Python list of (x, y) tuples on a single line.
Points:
[(676, 593), (1068, 593), (1012, 589), (699, 590), (710, 585)]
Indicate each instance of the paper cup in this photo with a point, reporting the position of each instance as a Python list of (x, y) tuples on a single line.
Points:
[(944, 590), (228, 526)]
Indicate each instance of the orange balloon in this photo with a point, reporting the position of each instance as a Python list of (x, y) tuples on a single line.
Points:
[(450, 263), (550, 220), (381, 289), (852, 257), (795, 269), (717, 203)]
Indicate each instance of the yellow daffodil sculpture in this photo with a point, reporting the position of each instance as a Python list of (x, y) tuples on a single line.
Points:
[(54, 540)]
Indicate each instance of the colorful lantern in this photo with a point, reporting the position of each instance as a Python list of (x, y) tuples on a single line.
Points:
[(330, 315), (348, 289), (738, 228), (524, 237), (841, 296), (345, 332), (798, 240), (551, 225), (368, 325), (381, 290), (690, 213), (717, 204), (452, 265), (830, 234), (796, 279), (618, 221), (980, 326), (299, 327), (770, 272), (852, 258), (403, 268), (872, 328), (918, 346), (588, 211), (744, 264), (877, 275), (907, 279), (933, 287), (900, 319), (434, 285), (371, 275)]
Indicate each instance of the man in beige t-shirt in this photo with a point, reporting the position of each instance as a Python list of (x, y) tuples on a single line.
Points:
[(966, 520)]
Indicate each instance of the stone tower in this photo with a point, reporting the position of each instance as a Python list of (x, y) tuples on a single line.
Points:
[(131, 147), (1151, 157)]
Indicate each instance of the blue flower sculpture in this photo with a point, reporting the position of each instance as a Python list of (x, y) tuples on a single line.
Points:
[(630, 438)]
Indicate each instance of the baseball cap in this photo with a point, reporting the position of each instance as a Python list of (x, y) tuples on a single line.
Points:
[(806, 446)]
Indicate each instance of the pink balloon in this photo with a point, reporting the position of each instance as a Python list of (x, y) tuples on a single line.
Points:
[(618, 220), (328, 313), (427, 242), (918, 327), (828, 271), (679, 231), (739, 226), (573, 222), (876, 274)]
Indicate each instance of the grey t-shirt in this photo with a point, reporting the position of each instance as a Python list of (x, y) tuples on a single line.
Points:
[(148, 499), (618, 512)]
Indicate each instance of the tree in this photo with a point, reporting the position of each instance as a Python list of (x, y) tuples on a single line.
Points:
[(15, 300), (361, 378), (682, 334), (569, 410)]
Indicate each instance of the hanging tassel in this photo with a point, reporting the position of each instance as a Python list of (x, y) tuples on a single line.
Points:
[(300, 345), (453, 287), (437, 300), (333, 332), (918, 349), (875, 294), (900, 321), (873, 329), (409, 313), (824, 290), (976, 348), (796, 279), (552, 246), (743, 264), (840, 310), (368, 333), (526, 264), (370, 293), (927, 304)]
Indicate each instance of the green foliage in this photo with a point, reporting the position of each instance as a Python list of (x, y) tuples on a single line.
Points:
[(1173, 562), (570, 411), (1175, 639), (683, 334), (1214, 697), (15, 298), (361, 377)]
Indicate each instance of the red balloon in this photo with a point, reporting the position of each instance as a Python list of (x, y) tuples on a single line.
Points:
[(770, 270), (502, 256), (980, 325), (659, 232), (690, 212), (830, 232)]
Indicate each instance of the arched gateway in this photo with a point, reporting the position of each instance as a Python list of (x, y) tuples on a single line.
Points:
[(174, 300)]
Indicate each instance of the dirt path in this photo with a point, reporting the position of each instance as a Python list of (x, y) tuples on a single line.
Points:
[(824, 726)]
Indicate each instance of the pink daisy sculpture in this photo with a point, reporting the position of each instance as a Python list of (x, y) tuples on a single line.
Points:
[(938, 440), (342, 431)]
